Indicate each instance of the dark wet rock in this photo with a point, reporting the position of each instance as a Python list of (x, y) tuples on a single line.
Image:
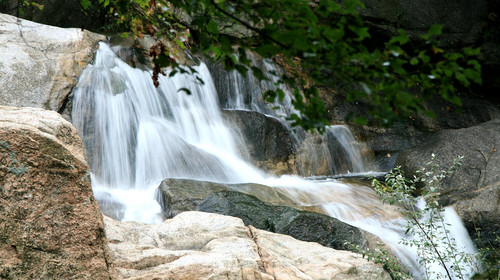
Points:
[(180, 195), (302, 225), (259, 206), (269, 142)]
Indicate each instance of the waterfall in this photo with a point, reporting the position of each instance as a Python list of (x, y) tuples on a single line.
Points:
[(337, 148), (136, 135), (245, 92)]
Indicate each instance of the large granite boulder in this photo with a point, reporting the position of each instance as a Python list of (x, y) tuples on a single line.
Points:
[(197, 245), (474, 189), (245, 201), (40, 64), (180, 195), (50, 224)]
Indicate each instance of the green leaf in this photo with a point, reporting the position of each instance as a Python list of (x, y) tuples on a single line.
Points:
[(425, 58), (257, 72), (270, 95), (435, 30), (472, 51), (362, 32), (360, 121), (85, 4), (473, 75), (200, 80), (402, 38), (212, 27), (162, 60), (456, 100), (187, 91), (180, 44)]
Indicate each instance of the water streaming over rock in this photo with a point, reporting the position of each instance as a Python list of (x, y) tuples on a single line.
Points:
[(136, 135)]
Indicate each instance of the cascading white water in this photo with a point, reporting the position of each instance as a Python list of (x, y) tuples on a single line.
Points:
[(337, 147), (140, 135), (136, 135), (245, 92)]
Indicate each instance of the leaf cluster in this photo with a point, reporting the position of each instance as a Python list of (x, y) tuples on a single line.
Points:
[(325, 40)]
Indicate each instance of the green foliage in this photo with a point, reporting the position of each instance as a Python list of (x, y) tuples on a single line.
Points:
[(426, 224), (490, 256), (23, 5), (324, 43)]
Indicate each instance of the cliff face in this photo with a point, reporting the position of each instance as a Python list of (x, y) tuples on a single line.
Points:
[(474, 189)]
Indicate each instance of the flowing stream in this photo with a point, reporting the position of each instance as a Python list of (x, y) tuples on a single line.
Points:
[(136, 135)]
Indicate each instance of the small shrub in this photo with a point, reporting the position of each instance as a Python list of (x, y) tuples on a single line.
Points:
[(427, 230)]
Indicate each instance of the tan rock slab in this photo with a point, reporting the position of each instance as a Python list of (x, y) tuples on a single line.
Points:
[(197, 245)]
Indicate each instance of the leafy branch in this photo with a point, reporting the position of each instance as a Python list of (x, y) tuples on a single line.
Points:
[(324, 43), (433, 241)]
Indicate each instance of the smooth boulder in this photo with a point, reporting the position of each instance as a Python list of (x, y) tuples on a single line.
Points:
[(197, 245), (180, 195), (50, 224), (40, 64)]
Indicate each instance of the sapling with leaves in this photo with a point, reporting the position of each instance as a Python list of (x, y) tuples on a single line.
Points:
[(427, 230)]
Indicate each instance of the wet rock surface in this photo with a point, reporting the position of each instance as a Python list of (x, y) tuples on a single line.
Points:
[(270, 144), (189, 195)]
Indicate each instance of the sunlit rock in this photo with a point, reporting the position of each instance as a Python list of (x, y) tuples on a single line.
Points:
[(196, 245), (50, 225), (40, 64)]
